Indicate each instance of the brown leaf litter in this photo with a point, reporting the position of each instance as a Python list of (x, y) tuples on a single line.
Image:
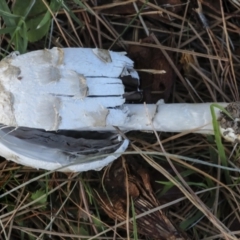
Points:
[(128, 179), (155, 85)]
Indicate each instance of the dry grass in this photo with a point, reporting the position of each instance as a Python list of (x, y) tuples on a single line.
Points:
[(199, 41)]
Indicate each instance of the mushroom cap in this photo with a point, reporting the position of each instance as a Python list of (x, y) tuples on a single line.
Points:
[(49, 96), (69, 88), (67, 151)]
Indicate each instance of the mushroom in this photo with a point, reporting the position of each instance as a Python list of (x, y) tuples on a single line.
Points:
[(59, 109)]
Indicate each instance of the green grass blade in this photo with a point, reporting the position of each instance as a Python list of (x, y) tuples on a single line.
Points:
[(135, 232), (218, 138), (7, 30), (6, 14)]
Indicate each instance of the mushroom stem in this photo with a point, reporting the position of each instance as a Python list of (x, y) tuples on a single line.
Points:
[(178, 117)]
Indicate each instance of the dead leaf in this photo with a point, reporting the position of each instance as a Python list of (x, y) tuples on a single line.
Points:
[(155, 85), (185, 61), (129, 177)]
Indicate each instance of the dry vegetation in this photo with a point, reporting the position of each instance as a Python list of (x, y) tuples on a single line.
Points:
[(166, 186)]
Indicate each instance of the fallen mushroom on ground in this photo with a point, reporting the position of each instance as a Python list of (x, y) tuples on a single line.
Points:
[(61, 106)]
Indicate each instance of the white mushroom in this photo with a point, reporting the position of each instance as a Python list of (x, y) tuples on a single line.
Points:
[(60, 106)]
